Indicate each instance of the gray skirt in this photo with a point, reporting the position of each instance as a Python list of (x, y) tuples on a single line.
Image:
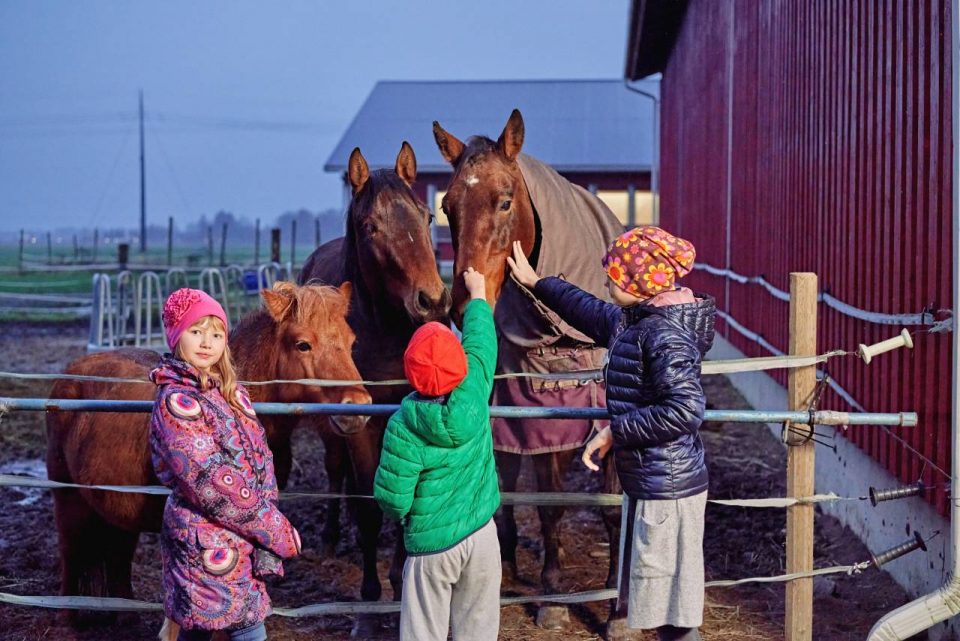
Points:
[(661, 555)]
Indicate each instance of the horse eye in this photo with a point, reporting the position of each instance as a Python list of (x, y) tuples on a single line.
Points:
[(430, 219), (303, 346), (505, 205)]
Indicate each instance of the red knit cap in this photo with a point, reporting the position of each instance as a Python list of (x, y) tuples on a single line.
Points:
[(434, 361)]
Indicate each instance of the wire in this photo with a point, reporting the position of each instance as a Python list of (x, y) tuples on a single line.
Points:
[(173, 174)]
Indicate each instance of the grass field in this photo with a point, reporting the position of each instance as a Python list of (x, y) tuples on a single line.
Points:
[(35, 279)]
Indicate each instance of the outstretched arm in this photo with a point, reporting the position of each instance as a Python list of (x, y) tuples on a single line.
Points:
[(584, 311), (469, 400)]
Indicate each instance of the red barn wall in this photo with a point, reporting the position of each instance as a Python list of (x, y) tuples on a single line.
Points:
[(816, 136)]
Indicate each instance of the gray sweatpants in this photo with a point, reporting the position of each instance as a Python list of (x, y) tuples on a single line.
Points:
[(458, 587)]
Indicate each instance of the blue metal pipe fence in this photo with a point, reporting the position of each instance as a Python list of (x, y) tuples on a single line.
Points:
[(822, 417)]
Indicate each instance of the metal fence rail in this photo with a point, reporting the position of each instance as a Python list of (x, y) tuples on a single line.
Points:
[(820, 417)]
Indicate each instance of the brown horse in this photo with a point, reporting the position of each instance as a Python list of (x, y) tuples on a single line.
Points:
[(387, 255), (302, 332), (497, 196)]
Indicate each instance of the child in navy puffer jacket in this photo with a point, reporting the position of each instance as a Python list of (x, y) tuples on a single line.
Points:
[(656, 335)]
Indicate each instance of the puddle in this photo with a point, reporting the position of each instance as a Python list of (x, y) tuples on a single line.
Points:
[(36, 468)]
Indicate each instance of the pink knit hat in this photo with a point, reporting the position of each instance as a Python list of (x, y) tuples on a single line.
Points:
[(185, 307)]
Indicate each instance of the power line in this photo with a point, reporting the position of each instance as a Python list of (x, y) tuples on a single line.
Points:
[(96, 123), (169, 166)]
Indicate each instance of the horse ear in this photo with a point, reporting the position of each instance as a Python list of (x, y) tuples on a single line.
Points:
[(450, 147), (346, 290), (511, 140), (406, 163), (278, 301), (357, 170)]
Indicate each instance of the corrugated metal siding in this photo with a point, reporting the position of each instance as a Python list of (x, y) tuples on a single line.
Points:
[(836, 117)]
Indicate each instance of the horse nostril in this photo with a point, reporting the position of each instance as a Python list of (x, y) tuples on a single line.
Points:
[(423, 301)]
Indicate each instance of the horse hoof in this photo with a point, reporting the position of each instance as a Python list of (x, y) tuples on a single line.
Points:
[(367, 626), (617, 630), (552, 617)]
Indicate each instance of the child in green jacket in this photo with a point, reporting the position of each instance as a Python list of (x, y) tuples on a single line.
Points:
[(437, 477)]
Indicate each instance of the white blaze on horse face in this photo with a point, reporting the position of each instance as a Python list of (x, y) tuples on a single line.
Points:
[(472, 180), (410, 236)]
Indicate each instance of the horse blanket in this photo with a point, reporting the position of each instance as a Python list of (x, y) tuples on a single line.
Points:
[(575, 228)]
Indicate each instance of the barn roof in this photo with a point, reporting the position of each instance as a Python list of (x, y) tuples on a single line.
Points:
[(573, 125)]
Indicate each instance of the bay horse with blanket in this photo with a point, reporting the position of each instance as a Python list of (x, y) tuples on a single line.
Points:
[(498, 195), (388, 256)]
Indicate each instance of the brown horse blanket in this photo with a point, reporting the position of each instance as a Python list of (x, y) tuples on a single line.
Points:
[(576, 228)]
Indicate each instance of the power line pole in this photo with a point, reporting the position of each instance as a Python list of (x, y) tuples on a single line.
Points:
[(143, 185)]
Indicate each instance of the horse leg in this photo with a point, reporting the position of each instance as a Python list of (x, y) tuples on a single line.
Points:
[(396, 565), (396, 572), (279, 438), (82, 571), (548, 469), (119, 547), (508, 464), (335, 462), (364, 448)]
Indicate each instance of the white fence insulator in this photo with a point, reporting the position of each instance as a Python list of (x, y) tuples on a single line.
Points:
[(867, 352)]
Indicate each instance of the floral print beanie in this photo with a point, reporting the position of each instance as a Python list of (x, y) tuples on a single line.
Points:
[(647, 260)]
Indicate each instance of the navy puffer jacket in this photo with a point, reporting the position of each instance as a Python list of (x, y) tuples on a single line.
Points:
[(654, 394)]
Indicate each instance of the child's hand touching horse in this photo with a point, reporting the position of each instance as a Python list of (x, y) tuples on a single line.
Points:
[(522, 270), (475, 283)]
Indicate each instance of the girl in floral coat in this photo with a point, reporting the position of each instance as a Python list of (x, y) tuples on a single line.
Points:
[(222, 531)]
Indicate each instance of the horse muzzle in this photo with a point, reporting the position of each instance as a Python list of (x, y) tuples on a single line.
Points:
[(349, 425), (424, 308)]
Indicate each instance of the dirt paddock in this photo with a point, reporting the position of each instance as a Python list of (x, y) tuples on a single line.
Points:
[(746, 461)]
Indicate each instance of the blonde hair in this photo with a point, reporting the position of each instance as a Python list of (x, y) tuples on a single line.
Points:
[(223, 369)]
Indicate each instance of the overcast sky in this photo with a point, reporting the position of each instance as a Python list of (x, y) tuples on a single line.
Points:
[(244, 100)]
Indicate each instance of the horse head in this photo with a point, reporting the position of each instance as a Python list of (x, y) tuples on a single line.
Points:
[(312, 340), (388, 232), (487, 204)]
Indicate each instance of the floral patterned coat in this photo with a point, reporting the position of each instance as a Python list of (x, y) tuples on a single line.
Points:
[(221, 517)]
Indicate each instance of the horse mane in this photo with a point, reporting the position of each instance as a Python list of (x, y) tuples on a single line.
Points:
[(475, 146), (315, 294), (249, 342)]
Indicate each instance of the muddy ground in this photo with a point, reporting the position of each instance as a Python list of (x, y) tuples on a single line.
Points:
[(745, 461)]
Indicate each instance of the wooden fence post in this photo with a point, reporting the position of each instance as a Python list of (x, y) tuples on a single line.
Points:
[(293, 243), (210, 245), (256, 244), (169, 241), (223, 246), (275, 245), (801, 383)]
